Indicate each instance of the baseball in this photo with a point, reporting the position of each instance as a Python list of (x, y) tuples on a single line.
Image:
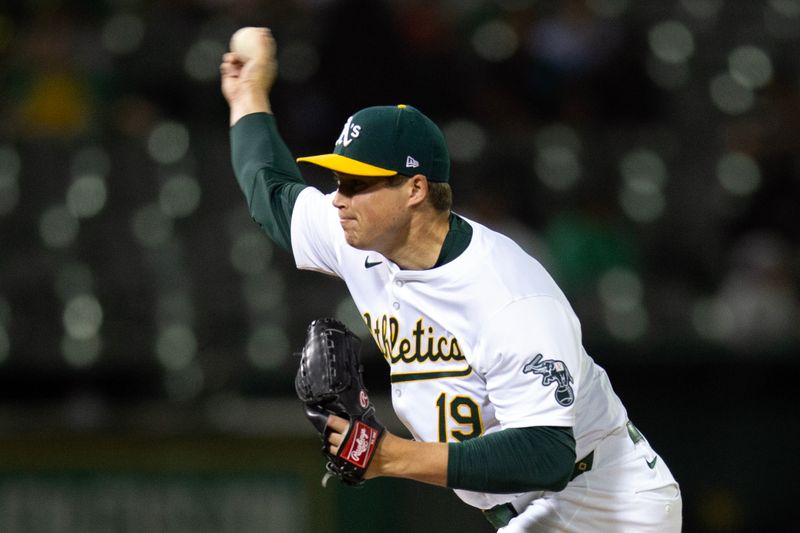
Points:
[(247, 42)]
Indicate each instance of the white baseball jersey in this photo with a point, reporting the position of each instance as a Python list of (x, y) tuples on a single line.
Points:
[(485, 342)]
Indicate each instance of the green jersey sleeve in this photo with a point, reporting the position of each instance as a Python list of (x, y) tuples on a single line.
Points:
[(267, 174)]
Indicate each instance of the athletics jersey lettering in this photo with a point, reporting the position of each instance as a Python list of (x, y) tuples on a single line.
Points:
[(423, 343)]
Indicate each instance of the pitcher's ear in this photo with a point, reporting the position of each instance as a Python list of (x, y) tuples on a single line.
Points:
[(418, 189)]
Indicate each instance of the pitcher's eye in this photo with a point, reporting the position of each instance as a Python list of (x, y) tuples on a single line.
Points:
[(352, 186)]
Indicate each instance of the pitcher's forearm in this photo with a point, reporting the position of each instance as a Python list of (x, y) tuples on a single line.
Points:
[(252, 101), (420, 461)]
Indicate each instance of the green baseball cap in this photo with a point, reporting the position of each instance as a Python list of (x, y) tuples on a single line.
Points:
[(385, 141)]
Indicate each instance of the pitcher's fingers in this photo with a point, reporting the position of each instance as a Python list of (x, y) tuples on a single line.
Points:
[(338, 424)]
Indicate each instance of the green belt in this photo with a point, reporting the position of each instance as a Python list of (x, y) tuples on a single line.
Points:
[(633, 432), (500, 515)]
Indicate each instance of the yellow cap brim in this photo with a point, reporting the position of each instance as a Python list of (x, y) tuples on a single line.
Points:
[(345, 165)]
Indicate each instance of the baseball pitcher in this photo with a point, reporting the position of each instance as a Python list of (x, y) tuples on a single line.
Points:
[(488, 370)]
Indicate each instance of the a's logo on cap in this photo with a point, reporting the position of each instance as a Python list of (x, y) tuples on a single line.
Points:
[(349, 132), (411, 162)]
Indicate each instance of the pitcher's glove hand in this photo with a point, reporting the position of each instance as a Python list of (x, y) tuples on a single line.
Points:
[(330, 382)]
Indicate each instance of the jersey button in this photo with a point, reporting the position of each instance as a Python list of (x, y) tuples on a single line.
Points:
[(396, 305), (399, 283)]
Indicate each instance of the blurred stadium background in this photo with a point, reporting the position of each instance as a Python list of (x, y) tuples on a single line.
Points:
[(645, 150)]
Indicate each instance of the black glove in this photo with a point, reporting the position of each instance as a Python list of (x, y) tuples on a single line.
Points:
[(330, 382)]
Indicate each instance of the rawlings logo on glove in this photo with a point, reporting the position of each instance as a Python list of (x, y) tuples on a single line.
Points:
[(363, 439), (329, 381)]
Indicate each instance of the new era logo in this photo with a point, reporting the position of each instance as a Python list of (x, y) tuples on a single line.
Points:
[(411, 162)]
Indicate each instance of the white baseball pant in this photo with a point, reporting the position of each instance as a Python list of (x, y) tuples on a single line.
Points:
[(628, 490)]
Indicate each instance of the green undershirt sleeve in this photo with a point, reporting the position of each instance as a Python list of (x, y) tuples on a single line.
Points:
[(513, 460), (267, 174)]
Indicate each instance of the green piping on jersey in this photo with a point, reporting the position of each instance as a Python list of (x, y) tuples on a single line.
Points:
[(419, 376)]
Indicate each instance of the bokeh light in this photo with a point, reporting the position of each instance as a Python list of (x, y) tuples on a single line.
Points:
[(621, 292), (179, 196), (251, 253), (643, 170), (558, 134), (730, 96), (713, 319), (268, 346), (176, 346), (83, 316), (151, 226), (557, 167), (58, 227), (123, 33), (620, 289), (264, 291), (671, 41), (628, 325), (738, 174), (782, 18), (750, 66), (203, 59), (168, 142), (556, 161), (86, 196), (465, 140), (642, 206), (81, 352), (644, 176), (495, 41)]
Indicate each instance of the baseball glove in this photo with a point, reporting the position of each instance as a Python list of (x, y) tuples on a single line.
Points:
[(330, 382)]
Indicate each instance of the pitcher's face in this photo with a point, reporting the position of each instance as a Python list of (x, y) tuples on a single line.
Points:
[(373, 211)]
